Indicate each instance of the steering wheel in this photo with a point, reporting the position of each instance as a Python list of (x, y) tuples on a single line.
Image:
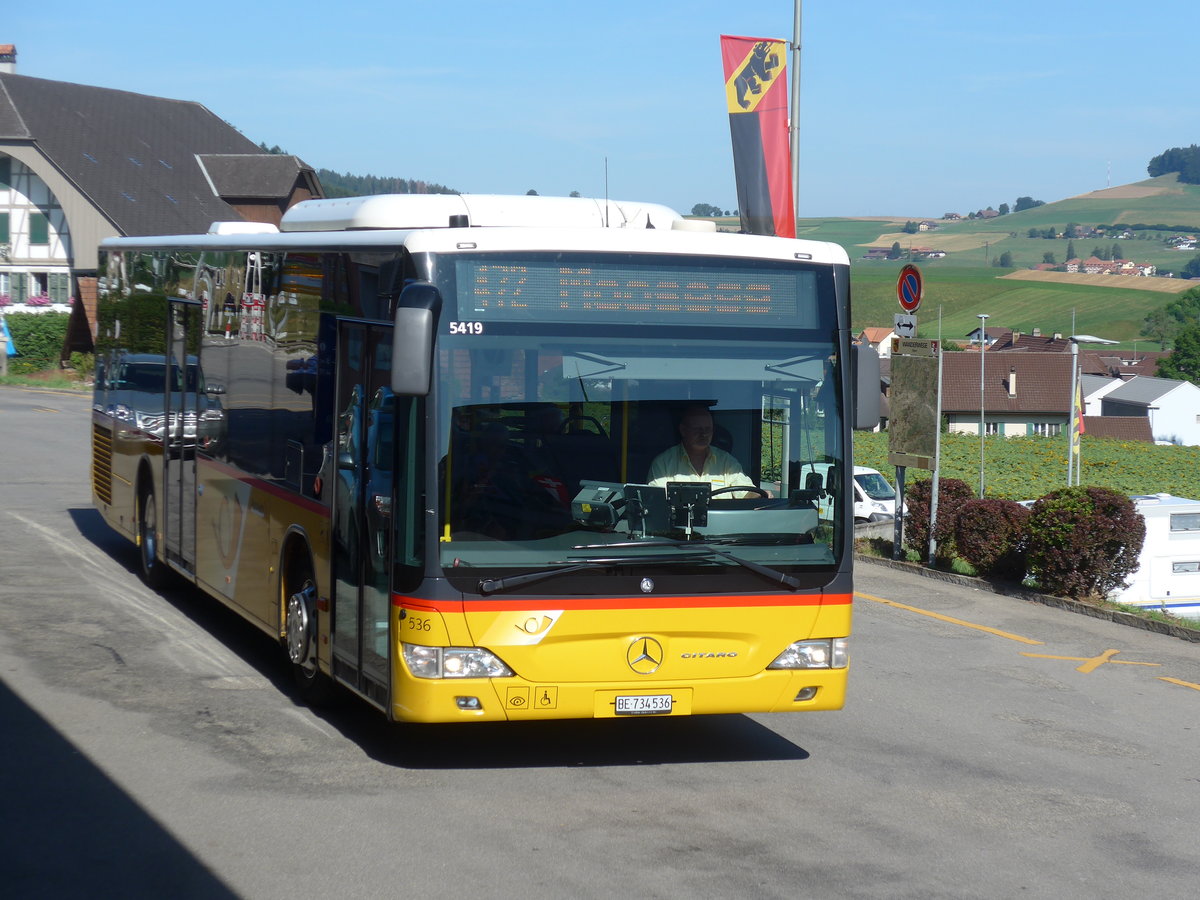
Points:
[(571, 420), (739, 487)]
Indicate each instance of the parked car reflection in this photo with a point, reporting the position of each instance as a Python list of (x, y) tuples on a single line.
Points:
[(136, 390)]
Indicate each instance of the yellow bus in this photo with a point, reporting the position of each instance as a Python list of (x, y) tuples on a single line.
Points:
[(480, 458)]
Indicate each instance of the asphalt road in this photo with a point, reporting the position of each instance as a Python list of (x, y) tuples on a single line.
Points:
[(990, 748)]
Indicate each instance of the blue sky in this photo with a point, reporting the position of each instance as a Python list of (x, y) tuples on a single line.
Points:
[(906, 109)]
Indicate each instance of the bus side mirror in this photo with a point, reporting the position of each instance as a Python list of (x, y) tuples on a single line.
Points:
[(864, 362), (412, 339)]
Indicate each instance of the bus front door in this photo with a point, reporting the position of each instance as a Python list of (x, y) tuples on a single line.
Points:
[(180, 422), (362, 508)]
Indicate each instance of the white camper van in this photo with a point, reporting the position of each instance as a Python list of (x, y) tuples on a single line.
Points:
[(874, 497), (1168, 573)]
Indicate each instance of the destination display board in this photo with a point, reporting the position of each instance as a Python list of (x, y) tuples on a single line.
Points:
[(646, 293)]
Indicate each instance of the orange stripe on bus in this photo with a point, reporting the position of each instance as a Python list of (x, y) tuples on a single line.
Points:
[(531, 603)]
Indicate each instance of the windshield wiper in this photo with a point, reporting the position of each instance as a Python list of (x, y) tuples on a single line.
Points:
[(767, 572), (495, 585)]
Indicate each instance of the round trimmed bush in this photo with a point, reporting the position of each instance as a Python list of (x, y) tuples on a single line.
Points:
[(952, 494), (1084, 541), (990, 535)]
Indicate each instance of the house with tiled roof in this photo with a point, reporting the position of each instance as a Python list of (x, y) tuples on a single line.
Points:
[(80, 163), (1022, 393), (1121, 364), (879, 338), (1034, 342)]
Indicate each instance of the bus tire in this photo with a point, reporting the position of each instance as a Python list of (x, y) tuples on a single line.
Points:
[(154, 573), (300, 639)]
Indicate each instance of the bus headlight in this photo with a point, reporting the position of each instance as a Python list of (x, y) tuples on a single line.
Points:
[(827, 654), (454, 662)]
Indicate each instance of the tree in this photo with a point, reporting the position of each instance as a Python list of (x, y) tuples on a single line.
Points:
[(1160, 326), (1049, 233), (1027, 203), (574, 194), (531, 193), (1192, 269), (1116, 252), (706, 209), (895, 252), (1185, 309), (1003, 210), (1184, 362), (1184, 160), (1035, 232), (911, 227), (1006, 260), (1048, 258), (1071, 250)]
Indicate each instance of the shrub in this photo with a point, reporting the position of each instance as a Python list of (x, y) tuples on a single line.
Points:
[(39, 337), (990, 535), (952, 494), (83, 364), (1083, 541)]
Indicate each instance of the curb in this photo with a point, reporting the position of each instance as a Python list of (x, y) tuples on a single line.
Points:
[(1008, 589)]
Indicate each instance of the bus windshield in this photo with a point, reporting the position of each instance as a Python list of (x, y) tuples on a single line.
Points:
[(572, 451)]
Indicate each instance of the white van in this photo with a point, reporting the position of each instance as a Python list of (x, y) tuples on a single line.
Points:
[(1168, 574), (874, 497)]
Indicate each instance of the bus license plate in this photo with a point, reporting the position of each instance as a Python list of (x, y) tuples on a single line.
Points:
[(644, 705)]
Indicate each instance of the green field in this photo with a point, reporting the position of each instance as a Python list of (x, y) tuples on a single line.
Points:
[(1027, 468), (960, 294)]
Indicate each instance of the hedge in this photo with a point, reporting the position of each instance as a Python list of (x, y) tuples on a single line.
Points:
[(39, 339)]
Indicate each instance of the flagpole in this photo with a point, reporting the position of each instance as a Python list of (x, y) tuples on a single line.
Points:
[(794, 130)]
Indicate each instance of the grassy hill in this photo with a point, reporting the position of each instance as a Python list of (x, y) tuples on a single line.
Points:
[(966, 283), (960, 293)]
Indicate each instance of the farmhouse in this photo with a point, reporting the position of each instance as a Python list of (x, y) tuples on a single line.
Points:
[(79, 164), (1023, 393)]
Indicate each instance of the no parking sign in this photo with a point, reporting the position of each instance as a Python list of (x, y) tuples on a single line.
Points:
[(909, 287)]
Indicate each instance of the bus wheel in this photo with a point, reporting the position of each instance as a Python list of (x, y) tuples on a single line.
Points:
[(300, 635), (154, 574)]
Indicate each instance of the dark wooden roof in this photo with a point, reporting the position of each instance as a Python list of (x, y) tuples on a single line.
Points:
[(136, 157)]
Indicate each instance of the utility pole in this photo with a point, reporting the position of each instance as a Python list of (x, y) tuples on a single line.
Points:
[(794, 129)]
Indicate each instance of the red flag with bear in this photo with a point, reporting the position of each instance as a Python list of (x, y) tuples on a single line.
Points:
[(756, 94)]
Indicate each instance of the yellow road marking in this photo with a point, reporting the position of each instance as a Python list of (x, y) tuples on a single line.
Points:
[(953, 621), (1092, 663), (1194, 687)]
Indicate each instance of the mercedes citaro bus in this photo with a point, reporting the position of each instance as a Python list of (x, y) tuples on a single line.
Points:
[(411, 438)]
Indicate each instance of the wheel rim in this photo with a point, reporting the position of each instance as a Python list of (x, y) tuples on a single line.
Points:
[(149, 526), (299, 628)]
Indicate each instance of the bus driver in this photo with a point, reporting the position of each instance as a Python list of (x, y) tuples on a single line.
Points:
[(695, 459)]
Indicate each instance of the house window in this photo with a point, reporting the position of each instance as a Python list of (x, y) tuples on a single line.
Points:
[(39, 228), (4, 235), (1046, 429), (1182, 568), (991, 428), (1185, 522), (59, 286)]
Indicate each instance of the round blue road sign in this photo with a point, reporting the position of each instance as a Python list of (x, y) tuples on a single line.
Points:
[(909, 287)]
